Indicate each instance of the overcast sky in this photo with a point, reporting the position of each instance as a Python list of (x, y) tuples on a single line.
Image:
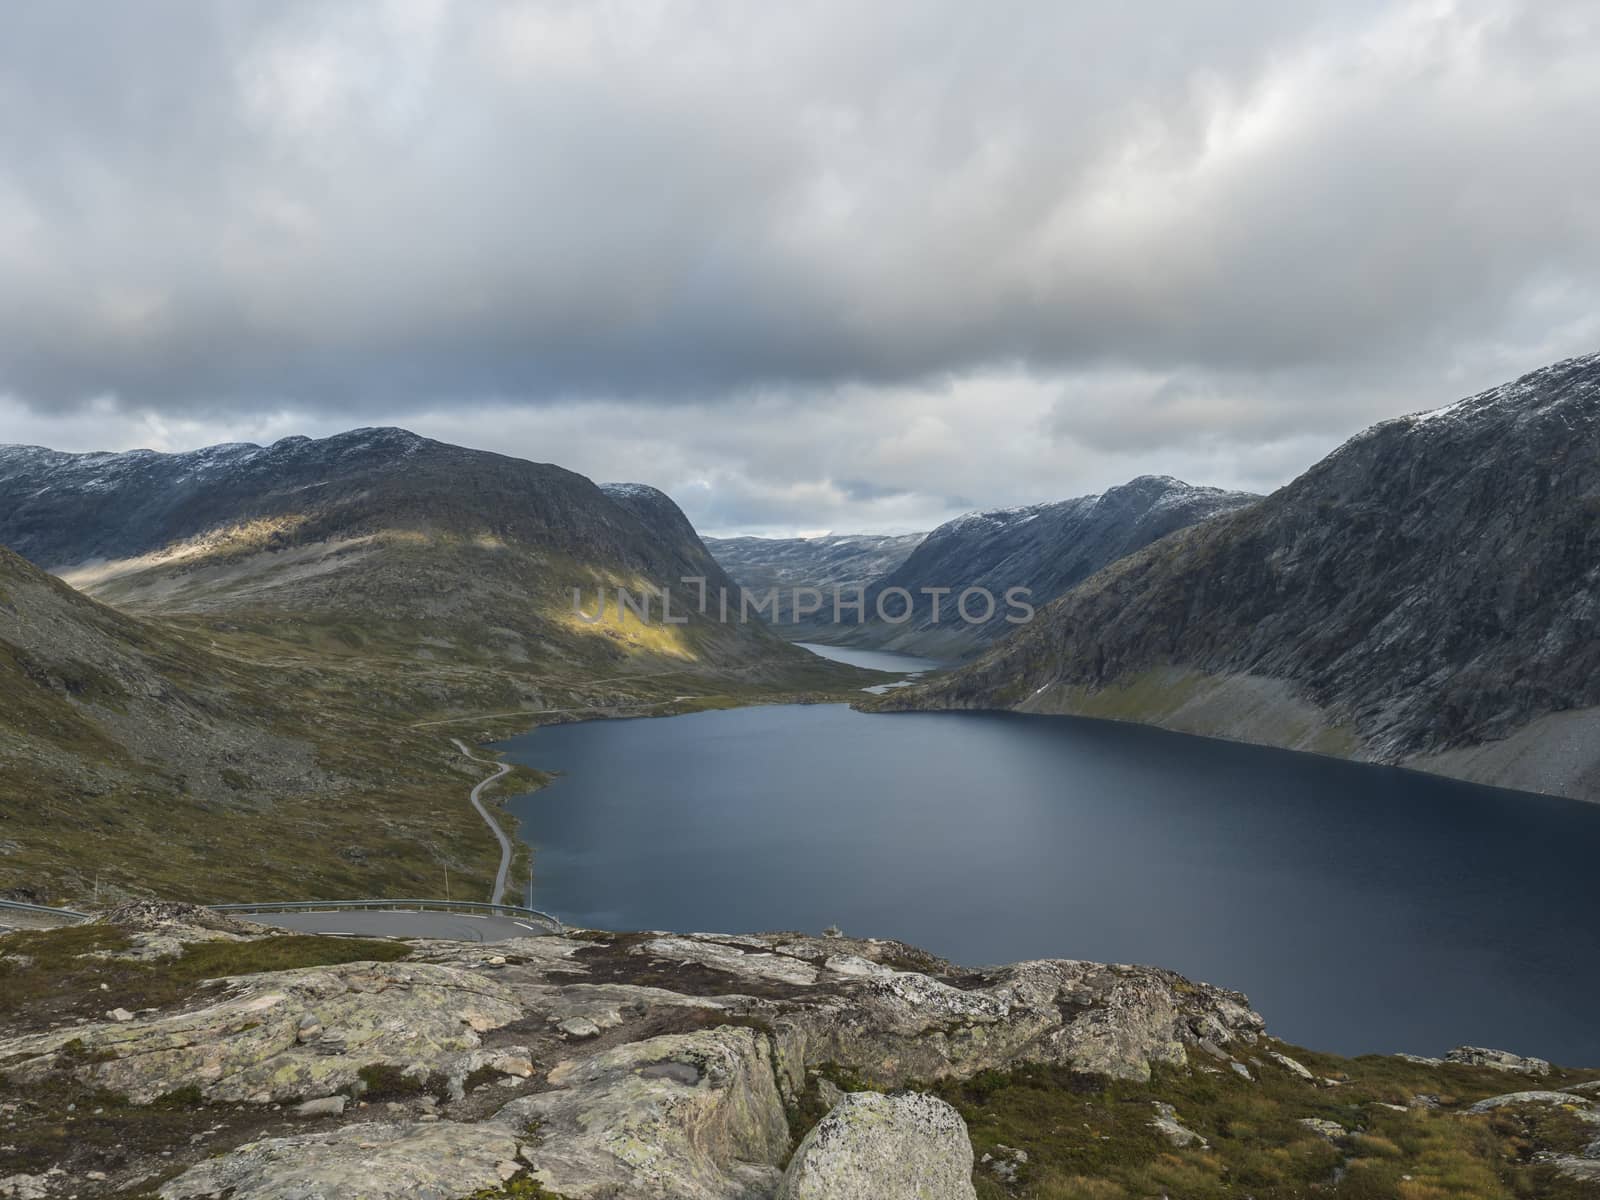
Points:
[(805, 266)]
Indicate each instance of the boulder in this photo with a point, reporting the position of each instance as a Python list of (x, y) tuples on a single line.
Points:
[(25, 1187), (326, 1106), (1005, 1163), (1167, 1124), (1291, 1066), (1512, 1099), (877, 1147), (1323, 1127), (1499, 1060), (693, 1116)]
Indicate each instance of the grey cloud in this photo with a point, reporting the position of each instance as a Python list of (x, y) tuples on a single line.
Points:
[(867, 257), (363, 205)]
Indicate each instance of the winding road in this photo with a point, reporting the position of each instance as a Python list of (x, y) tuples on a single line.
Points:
[(501, 770)]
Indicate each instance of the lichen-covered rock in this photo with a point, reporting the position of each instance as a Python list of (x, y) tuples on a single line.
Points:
[(693, 1116), (160, 929), (1499, 1060), (1512, 1099), (1166, 1123), (25, 1187), (1291, 1065), (377, 1161), (1323, 1127), (247, 1045), (756, 962), (899, 1026), (877, 1147)]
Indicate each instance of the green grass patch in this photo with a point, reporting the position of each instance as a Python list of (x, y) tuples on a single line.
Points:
[(47, 975), (1089, 1138)]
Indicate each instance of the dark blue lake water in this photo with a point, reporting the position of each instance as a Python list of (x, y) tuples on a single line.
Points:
[(1361, 908)]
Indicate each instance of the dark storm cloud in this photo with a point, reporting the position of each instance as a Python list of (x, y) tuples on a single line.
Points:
[(1224, 228)]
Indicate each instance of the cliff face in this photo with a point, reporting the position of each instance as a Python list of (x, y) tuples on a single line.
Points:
[(1046, 548), (1428, 594)]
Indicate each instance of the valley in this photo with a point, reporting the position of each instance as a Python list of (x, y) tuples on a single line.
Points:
[(714, 601), (297, 633), (268, 673)]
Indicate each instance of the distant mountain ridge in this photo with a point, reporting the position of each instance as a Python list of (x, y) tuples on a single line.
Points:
[(1045, 548), (845, 560), (437, 547), (1428, 594), (62, 509)]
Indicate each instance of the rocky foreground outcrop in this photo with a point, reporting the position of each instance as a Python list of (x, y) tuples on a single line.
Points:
[(645, 1065), (708, 1067), (291, 1035)]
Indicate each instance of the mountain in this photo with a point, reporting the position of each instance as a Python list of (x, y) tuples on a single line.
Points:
[(377, 541), (1428, 594), (845, 560), (1044, 548), (259, 697), (118, 738), (81, 680)]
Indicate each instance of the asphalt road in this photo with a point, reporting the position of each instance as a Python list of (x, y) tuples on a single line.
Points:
[(500, 769), (458, 927)]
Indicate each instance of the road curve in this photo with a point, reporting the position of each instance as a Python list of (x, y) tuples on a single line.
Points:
[(500, 771)]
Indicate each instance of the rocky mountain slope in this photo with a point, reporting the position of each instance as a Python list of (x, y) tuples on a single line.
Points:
[(1046, 548), (297, 630), (112, 703), (379, 542), (1428, 594), (167, 1052), (846, 560), (134, 756)]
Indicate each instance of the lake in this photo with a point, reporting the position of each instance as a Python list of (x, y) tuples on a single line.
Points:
[(1361, 908), (875, 660)]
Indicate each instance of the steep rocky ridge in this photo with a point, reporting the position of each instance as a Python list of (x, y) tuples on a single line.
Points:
[(1428, 594), (1046, 548)]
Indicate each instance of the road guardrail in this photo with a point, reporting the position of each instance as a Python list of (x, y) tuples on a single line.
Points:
[(41, 910), (550, 922)]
